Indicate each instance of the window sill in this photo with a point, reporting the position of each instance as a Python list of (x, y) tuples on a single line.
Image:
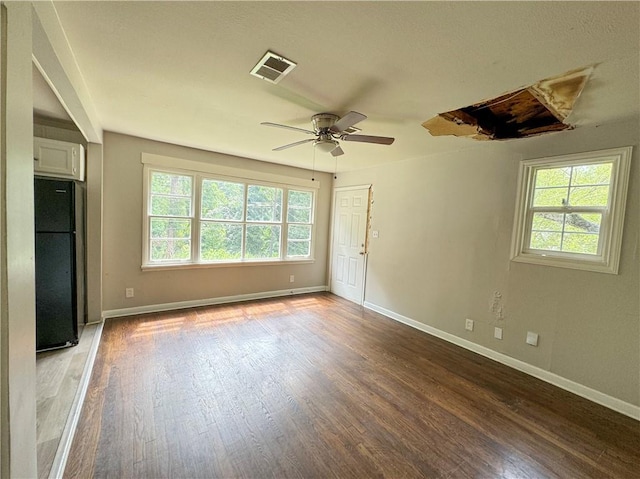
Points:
[(595, 265), (170, 266)]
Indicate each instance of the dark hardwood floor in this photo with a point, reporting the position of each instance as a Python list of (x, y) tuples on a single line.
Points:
[(317, 387)]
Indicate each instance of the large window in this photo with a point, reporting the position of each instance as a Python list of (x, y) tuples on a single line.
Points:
[(199, 219), (571, 209)]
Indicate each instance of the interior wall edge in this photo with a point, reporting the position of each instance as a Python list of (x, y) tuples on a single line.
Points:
[(56, 62), (156, 308), (586, 392)]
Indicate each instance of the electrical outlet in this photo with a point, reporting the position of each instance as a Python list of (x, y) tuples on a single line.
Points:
[(532, 338), (497, 333), (468, 324), (375, 234), (128, 292), (292, 278)]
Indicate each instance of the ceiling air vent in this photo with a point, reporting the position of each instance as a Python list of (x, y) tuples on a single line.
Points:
[(272, 67)]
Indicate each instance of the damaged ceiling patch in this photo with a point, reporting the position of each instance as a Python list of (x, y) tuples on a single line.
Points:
[(539, 108)]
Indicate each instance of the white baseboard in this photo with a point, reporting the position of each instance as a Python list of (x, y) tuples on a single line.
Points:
[(64, 447), (156, 308), (586, 392)]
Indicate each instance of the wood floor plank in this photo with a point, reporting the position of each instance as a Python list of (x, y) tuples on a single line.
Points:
[(315, 386)]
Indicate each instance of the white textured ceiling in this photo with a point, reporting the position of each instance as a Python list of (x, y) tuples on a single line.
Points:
[(179, 71)]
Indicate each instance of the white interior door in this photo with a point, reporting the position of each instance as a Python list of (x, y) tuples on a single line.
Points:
[(348, 253)]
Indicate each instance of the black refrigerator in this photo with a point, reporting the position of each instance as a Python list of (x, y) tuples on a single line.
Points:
[(59, 262)]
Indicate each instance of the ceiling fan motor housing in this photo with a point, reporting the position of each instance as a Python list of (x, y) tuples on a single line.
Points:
[(323, 121)]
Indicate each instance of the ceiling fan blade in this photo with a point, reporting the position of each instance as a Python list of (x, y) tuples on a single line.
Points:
[(380, 140), (286, 127), (337, 151), (294, 144), (348, 120)]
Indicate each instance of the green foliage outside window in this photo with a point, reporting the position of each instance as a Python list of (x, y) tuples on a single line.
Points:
[(263, 242), (222, 200), (220, 241), (264, 204)]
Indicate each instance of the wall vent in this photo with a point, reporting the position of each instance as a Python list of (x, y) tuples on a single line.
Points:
[(272, 67)]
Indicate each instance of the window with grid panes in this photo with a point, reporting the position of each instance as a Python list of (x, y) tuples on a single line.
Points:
[(233, 221), (571, 209)]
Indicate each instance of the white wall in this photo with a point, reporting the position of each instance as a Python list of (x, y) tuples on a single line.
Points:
[(445, 230), (122, 233), (17, 291)]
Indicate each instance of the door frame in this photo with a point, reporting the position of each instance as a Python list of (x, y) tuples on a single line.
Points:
[(366, 234)]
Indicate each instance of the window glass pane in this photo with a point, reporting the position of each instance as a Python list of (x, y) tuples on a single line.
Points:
[(170, 249), (550, 196), (264, 204), (298, 249), (553, 177), (299, 215), (583, 222), (545, 240), (589, 196), (596, 174), (584, 243), (170, 228), (222, 200), (220, 241), (299, 240), (263, 241), (299, 206), (170, 206), (299, 232), (168, 184), (547, 221)]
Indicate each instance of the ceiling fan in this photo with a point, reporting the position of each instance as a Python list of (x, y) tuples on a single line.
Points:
[(328, 129)]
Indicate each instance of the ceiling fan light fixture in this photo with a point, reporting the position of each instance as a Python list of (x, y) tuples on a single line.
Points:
[(325, 146)]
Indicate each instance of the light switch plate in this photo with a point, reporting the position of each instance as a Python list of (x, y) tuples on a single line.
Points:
[(532, 338)]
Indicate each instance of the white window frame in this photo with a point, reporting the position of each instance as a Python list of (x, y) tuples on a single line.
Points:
[(153, 163), (610, 238)]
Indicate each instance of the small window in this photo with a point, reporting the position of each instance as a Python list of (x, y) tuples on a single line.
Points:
[(570, 210)]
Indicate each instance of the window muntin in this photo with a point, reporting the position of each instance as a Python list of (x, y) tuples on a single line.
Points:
[(570, 210), (235, 221)]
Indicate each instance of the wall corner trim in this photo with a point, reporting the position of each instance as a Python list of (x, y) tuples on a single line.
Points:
[(586, 392), (156, 308)]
